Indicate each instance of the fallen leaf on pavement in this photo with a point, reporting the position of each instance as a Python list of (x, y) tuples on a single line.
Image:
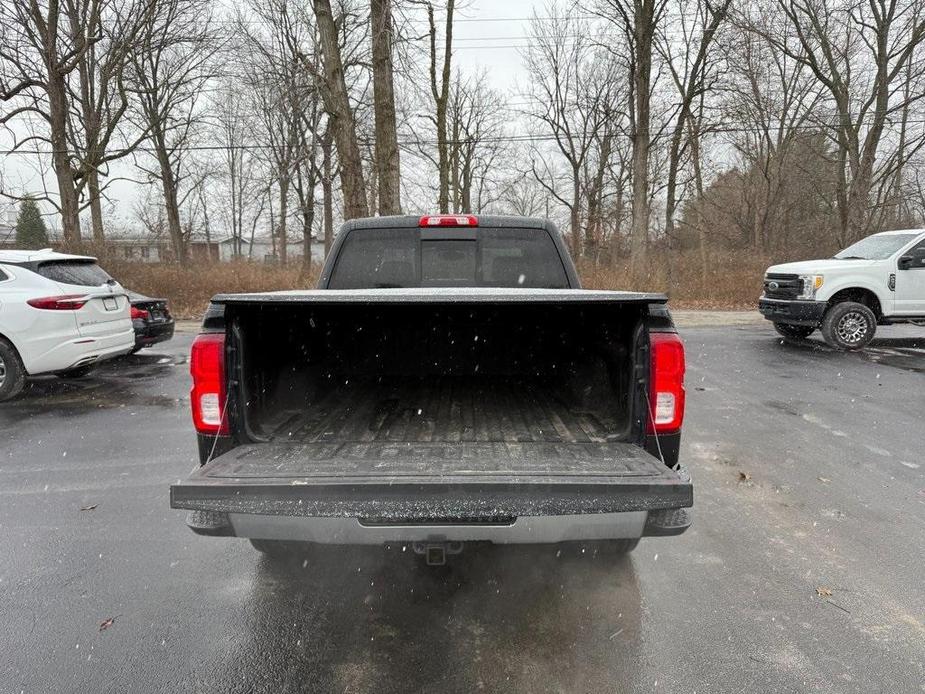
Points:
[(88, 508), (744, 477), (823, 592), (106, 623), (823, 479)]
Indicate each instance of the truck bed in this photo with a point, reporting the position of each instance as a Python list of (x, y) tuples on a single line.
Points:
[(444, 406), (443, 409)]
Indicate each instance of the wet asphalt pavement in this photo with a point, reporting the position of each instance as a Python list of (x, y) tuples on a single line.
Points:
[(809, 478)]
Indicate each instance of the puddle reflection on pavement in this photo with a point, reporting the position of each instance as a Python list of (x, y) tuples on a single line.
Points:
[(123, 382), (495, 618)]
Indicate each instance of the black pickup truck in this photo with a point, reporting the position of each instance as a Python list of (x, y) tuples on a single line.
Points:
[(448, 381)]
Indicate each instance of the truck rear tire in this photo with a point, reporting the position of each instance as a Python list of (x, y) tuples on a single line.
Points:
[(849, 326), (794, 332), (12, 372)]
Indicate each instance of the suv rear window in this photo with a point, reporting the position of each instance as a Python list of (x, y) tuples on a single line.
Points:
[(398, 258), (85, 273)]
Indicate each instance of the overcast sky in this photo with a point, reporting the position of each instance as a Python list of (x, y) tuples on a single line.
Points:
[(487, 34)]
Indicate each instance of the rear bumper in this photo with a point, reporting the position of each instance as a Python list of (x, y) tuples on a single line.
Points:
[(147, 334), (794, 311), (524, 530), (79, 351)]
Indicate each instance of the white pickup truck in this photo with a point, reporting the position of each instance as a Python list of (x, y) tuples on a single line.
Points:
[(880, 280)]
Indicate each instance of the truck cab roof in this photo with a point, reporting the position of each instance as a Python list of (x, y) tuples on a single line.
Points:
[(460, 250)]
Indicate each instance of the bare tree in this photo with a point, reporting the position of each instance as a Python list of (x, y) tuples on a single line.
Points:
[(440, 91), (170, 72), (39, 50), (637, 21), (857, 52), (340, 113), (476, 118), (772, 98), (387, 156), (64, 64), (691, 73), (99, 93), (239, 171), (574, 96)]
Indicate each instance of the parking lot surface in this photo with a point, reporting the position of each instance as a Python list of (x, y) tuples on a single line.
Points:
[(802, 571)]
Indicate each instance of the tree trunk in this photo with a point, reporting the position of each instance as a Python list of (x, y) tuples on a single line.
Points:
[(327, 201), (205, 224), (337, 103), (173, 222), (57, 112), (169, 188), (308, 220), (671, 186), (643, 30), (387, 154), (575, 219), (96, 206), (283, 213), (441, 97)]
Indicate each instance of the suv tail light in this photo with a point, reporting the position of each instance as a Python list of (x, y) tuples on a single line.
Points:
[(666, 390), (207, 397), (65, 302)]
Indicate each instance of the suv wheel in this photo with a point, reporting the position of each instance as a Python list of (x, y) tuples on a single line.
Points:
[(794, 332), (12, 372), (849, 325)]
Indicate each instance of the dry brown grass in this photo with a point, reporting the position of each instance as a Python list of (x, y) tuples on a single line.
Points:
[(727, 280), (189, 289), (731, 281)]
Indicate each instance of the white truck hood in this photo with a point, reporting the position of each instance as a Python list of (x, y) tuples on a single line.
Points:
[(820, 267)]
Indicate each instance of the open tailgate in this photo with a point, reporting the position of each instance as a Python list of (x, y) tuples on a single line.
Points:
[(427, 481)]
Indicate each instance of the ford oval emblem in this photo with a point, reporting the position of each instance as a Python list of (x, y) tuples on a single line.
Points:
[(773, 285)]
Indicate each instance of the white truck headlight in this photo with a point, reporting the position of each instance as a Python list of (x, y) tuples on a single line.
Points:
[(811, 284)]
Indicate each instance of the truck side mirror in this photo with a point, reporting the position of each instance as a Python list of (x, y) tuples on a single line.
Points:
[(905, 262)]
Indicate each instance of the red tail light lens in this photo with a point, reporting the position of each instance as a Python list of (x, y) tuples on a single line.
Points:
[(449, 220), (139, 313), (207, 366), (66, 302), (666, 391)]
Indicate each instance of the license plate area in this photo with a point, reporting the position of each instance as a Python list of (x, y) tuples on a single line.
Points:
[(110, 303)]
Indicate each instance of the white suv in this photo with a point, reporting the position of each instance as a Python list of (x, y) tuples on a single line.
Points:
[(58, 314), (880, 280)]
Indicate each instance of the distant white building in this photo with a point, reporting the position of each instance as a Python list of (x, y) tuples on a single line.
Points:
[(264, 250), (8, 216), (140, 248)]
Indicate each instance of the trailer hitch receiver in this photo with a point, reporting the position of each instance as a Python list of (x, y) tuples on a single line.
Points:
[(435, 552)]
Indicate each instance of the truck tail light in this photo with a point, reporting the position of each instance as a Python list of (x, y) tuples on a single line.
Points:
[(449, 220), (666, 390), (208, 397), (65, 302)]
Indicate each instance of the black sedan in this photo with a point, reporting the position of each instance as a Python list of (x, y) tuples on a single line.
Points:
[(151, 320)]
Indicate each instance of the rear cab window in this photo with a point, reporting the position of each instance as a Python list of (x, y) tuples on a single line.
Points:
[(480, 257), (84, 273)]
